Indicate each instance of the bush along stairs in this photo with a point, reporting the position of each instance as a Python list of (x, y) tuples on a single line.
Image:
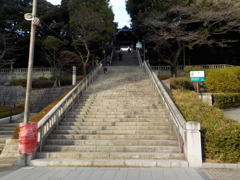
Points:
[(119, 122)]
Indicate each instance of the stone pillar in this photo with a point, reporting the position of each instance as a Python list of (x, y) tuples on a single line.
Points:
[(192, 146), (74, 76)]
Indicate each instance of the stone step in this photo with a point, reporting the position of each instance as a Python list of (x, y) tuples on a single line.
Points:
[(75, 148), (132, 105), (112, 116), (126, 124), (114, 128), (110, 155), (113, 142), (106, 113), (113, 132), (125, 98), (121, 110), (110, 163), (9, 125), (122, 101), (112, 137), (80, 118), (7, 128), (117, 123), (2, 146), (3, 140), (6, 132)]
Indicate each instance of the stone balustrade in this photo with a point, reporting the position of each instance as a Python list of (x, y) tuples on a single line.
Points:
[(166, 70)]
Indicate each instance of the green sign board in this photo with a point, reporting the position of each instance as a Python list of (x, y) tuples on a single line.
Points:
[(196, 76), (196, 79)]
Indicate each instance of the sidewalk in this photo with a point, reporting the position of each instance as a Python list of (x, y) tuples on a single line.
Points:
[(70, 173), (233, 113)]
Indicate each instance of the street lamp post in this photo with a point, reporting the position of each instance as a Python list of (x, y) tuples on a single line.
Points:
[(22, 161)]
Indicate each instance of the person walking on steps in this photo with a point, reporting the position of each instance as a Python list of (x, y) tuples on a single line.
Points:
[(120, 55), (104, 66)]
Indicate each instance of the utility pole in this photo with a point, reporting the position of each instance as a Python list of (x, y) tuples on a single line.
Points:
[(30, 64), (22, 161)]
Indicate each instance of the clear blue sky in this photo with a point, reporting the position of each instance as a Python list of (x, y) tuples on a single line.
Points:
[(119, 10)]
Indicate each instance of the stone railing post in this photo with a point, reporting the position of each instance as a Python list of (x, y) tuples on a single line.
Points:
[(192, 146)]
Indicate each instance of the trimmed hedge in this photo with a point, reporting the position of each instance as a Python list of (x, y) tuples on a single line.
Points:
[(181, 83), (225, 101), (223, 80), (220, 135), (64, 81), (187, 69), (42, 78), (19, 82), (43, 82), (6, 111), (163, 77)]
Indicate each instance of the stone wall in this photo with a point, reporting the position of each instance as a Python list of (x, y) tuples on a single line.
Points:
[(39, 98), (7, 75)]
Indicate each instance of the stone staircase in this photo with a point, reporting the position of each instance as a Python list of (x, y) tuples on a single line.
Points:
[(119, 122), (6, 131)]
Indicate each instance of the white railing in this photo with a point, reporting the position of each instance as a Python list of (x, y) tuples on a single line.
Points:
[(53, 117), (204, 66), (187, 132), (177, 123)]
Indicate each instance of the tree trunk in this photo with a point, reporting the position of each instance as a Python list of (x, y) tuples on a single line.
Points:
[(84, 69), (175, 59)]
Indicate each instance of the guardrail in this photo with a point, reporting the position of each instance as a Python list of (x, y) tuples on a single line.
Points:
[(53, 117), (187, 133)]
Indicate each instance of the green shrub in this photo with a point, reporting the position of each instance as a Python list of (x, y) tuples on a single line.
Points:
[(19, 82), (223, 80), (20, 106), (53, 78), (220, 135), (42, 78), (225, 101), (163, 77), (42, 84), (187, 69), (6, 111), (65, 81), (181, 83)]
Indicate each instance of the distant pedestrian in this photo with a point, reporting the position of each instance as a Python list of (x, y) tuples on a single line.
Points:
[(129, 49), (104, 66), (120, 55)]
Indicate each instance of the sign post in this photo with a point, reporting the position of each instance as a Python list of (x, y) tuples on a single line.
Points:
[(197, 76)]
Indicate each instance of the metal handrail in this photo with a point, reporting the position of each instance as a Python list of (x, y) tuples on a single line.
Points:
[(175, 117), (53, 117)]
